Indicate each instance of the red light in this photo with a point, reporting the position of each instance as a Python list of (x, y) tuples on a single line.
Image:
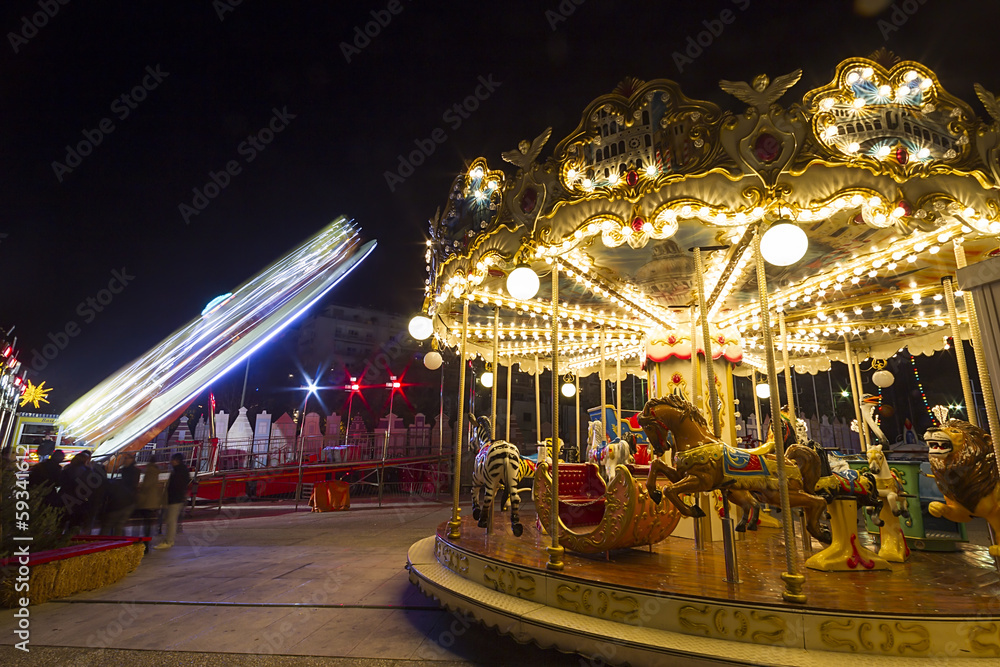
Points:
[(355, 387), (17, 381), (7, 350), (396, 385)]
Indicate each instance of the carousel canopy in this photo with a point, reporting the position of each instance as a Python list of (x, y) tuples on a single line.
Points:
[(892, 180)]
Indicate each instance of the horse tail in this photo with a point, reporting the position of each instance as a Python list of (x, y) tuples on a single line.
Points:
[(808, 462)]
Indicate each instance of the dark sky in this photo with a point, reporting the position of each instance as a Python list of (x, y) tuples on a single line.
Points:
[(222, 78)]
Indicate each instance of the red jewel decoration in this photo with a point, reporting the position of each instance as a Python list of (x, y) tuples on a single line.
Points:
[(902, 155), (767, 148), (637, 223), (671, 339), (905, 205), (632, 178), (722, 340), (676, 378), (528, 200)]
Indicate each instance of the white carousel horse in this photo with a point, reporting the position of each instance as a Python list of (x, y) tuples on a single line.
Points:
[(606, 454), (888, 486)]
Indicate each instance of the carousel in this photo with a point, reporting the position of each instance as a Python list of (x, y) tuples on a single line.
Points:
[(698, 248)]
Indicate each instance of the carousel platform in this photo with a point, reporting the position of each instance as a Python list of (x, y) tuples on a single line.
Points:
[(649, 606)]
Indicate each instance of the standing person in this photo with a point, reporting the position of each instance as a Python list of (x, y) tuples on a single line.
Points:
[(121, 501), (176, 493), (47, 473), (75, 492), (149, 499)]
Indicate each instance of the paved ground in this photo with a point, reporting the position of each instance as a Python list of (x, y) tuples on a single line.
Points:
[(260, 590)]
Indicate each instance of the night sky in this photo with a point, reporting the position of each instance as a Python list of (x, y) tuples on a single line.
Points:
[(200, 79)]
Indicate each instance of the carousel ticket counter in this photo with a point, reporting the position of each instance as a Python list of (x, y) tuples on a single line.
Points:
[(922, 531)]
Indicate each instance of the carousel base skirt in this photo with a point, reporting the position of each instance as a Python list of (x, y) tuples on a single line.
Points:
[(648, 606)]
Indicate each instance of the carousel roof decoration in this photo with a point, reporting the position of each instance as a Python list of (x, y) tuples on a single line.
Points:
[(882, 168)]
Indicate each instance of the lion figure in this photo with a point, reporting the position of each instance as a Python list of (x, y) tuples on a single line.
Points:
[(965, 469)]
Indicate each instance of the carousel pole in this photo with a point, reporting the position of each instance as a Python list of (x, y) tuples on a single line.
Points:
[(956, 336), (728, 533), (756, 404), (793, 580), (695, 372), (789, 389), (977, 349), (555, 551), (496, 372), (455, 524), (538, 403), (855, 393), (857, 374), (618, 394), (510, 373), (603, 416), (576, 379)]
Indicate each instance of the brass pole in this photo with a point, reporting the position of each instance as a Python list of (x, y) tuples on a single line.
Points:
[(789, 389), (455, 524), (555, 551), (956, 336), (602, 412), (496, 372), (618, 393), (869, 436), (756, 405), (510, 374), (728, 532), (538, 402), (855, 393), (977, 348), (713, 396), (793, 580), (695, 372), (576, 379)]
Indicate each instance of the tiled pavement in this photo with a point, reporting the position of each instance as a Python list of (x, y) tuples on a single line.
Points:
[(329, 588)]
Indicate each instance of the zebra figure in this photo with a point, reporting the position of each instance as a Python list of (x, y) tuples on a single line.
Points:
[(498, 463)]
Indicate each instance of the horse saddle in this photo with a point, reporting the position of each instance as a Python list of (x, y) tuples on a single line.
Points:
[(850, 482), (738, 463)]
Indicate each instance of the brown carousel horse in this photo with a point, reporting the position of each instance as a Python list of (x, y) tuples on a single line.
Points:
[(704, 463)]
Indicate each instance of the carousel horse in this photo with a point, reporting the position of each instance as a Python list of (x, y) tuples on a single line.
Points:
[(888, 486), (837, 480), (607, 454), (704, 463), (497, 465)]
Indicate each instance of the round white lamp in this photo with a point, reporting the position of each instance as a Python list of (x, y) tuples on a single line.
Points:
[(763, 390), (883, 378), (421, 327), (486, 379), (568, 389), (784, 244), (522, 282), (433, 360)]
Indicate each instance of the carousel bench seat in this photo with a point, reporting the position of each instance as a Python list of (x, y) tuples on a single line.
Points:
[(581, 494)]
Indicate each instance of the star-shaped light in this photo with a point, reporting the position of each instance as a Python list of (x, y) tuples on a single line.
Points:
[(35, 394)]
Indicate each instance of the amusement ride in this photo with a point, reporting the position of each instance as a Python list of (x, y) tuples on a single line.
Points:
[(695, 247)]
